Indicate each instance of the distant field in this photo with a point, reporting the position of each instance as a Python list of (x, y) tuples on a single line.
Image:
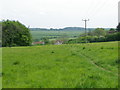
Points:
[(92, 65), (54, 34)]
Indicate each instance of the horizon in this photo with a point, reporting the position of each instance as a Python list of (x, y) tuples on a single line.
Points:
[(72, 27)]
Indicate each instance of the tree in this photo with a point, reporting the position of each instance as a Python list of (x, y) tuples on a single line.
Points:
[(99, 32), (113, 37), (118, 27), (63, 38), (112, 29), (15, 34), (46, 40)]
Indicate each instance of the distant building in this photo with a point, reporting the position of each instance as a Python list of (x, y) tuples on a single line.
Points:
[(112, 31), (38, 43), (58, 42)]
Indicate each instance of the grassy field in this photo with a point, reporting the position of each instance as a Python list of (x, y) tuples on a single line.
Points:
[(54, 34), (92, 65), (0, 68)]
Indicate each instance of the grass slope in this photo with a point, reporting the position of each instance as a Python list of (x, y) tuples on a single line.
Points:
[(61, 66)]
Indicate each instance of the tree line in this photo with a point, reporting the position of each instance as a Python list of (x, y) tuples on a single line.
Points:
[(98, 35)]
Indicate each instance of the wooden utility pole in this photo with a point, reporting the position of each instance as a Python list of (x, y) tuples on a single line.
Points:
[(85, 20)]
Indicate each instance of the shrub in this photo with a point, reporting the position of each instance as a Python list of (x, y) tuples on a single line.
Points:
[(83, 47), (15, 34)]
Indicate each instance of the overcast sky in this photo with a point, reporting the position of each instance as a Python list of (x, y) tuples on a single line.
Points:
[(61, 13)]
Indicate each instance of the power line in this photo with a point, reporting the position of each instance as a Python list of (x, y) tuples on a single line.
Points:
[(97, 11), (89, 8), (98, 8), (105, 5), (85, 20)]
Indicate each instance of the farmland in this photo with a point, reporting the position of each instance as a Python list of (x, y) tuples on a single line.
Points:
[(54, 34), (91, 65)]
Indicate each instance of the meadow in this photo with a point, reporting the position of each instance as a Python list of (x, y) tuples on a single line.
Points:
[(0, 68), (91, 65), (55, 34)]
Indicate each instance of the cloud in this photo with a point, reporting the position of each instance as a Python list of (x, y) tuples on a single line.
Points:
[(42, 13)]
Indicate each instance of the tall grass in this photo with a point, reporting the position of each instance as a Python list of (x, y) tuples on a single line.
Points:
[(61, 66)]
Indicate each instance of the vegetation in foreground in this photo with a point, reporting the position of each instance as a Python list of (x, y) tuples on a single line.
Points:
[(61, 66)]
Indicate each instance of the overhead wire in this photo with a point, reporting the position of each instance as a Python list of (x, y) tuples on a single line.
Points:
[(99, 8), (107, 7), (96, 7), (89, 7)]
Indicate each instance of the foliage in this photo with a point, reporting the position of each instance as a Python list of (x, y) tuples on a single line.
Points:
[(98, 35), (112, 29), (118, 27), (113, 37), (99, 32), (73, 36), (63, 38), (15, 34), (45, 40)]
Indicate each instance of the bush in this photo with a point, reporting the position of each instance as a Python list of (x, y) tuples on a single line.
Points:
[(113, 37), (15, 34)]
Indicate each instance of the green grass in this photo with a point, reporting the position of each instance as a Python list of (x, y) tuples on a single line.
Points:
[(92, 65), (54, 34), (0, 68)]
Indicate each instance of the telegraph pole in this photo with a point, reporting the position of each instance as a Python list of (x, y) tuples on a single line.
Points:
[(85, 20), (29, 27)]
